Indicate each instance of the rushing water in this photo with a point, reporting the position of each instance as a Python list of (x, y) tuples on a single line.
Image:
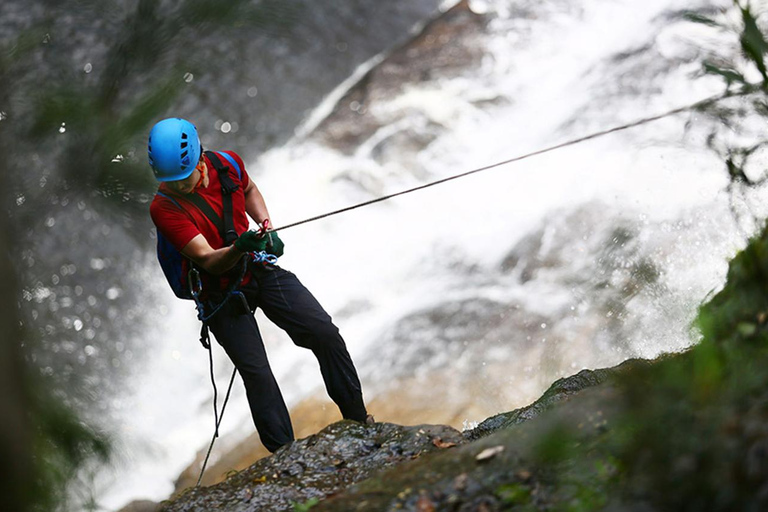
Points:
[(510, 278)]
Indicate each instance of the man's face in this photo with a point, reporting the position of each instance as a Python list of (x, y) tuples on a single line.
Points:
[(188, 184)]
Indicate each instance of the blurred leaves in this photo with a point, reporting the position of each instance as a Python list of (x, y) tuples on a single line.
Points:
[(87, 120), (752, 41), (737, 131), (81, 83), (731, 76), (695, 17), (64, 445)]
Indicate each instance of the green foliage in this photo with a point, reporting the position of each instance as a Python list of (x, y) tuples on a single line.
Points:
[(745, 117), (63, 446), (731, 76), (108, 114), (752, 41), (555, 445), (307, 505), (514, 494)]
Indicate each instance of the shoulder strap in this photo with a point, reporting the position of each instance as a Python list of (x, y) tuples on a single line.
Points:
[(233, 163), (201, 205), (207, 210), (228, 187)]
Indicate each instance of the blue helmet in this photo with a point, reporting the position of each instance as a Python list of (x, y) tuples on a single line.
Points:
[(174, 149)]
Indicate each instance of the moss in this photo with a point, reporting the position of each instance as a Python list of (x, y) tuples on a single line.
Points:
[(304, 507), (514, 494)]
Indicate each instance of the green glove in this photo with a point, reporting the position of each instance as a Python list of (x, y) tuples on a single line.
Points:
[(275, 246), (251, 241)]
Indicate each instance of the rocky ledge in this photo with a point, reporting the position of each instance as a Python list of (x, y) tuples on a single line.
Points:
[(686, 431), (347, 458)]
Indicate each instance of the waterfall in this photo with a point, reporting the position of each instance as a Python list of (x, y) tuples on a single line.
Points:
[(505, 280)]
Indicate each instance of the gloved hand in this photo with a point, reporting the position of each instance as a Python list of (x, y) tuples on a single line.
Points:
[(251, 241), (275, 246)]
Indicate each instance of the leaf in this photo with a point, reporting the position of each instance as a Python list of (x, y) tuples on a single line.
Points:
[(304, 507), (424, 504), (695, 17), (746, 328), (489, 453), (439, 443), (752, 42), (730, 75)]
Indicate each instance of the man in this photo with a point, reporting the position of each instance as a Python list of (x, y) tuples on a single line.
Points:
[(187, 174)]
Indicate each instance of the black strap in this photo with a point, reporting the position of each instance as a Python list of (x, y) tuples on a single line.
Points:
[(207, 210), (228, 187)]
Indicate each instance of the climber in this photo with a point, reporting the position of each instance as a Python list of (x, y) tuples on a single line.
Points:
[(201, 213)]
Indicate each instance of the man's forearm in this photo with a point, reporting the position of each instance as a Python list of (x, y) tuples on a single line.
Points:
[(255, 205), (214, 261), (221, 260)]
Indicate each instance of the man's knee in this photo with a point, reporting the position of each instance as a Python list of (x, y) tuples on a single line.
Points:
[(319, 336)]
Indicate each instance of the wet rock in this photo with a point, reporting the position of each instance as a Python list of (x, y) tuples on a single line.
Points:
[(561, 390), (456, 480), (444, 48), (315, 467), (141, 506)]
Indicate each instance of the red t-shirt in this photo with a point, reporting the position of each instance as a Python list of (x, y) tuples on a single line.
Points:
[(180, 225)]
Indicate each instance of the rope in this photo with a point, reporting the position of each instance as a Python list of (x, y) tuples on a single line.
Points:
[(693, 106), (216, 419), (196, 287), (218, 422)]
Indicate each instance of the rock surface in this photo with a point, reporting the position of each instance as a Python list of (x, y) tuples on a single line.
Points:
[(347, 453), (317, 466), (141, 506)]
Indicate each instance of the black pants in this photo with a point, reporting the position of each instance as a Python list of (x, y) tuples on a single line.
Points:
[(287, 303)]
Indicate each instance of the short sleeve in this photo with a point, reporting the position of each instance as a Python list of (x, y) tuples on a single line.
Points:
[(172, 222)]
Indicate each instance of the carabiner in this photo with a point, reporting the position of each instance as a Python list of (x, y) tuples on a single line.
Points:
[(193, 278), (264, 258)]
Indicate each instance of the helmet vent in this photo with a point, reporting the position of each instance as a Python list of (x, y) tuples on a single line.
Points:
[(183, 145), (184, 136)]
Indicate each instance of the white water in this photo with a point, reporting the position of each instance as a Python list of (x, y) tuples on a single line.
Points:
[(372, 267)]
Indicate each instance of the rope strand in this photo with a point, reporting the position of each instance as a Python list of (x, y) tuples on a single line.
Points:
[(679, 110), (216, 432)]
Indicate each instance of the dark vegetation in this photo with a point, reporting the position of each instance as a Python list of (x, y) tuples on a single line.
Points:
[(73, 199)]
